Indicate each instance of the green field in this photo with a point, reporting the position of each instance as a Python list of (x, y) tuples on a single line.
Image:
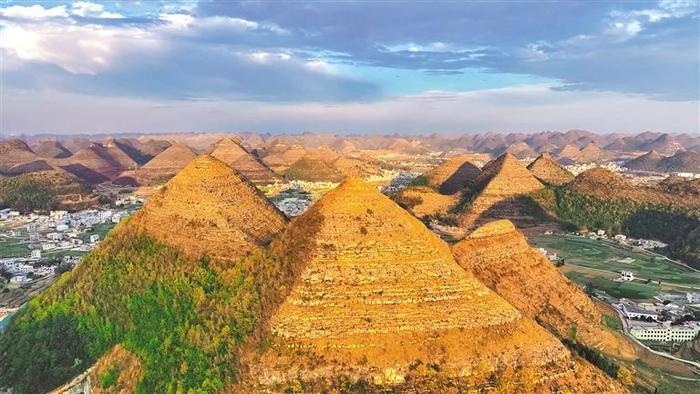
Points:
[(594, 263), (612, 257)]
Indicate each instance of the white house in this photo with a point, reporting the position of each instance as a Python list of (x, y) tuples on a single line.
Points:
[(693, 298), (54, 236), (620, 237), (601, 232), (61, 227), (94, 238), (36, 254), (626, 276), (668, 334), (19, 279)]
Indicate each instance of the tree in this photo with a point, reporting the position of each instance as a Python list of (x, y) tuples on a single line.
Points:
[(626, 376), (26, 194), (4, 273)]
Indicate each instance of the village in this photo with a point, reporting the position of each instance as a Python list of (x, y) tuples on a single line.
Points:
[(34, 247)]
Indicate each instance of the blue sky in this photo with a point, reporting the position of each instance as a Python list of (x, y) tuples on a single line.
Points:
[(349, 66)]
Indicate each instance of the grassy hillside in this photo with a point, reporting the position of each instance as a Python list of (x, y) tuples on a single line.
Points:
[(185, 321), (678, 227)]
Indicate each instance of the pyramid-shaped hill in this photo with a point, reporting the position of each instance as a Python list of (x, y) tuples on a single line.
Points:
[(311, 168), (362, 167), (210, 209), (547, 170), (568, 151), (646, 162), (591, 153), (453, 175), (117, 152), (497, 192), (501, 258), (14, 152), (161, 168), (378, 295), (150, 287), (238, 158), (96, 163), (52, 150), (175, 157)]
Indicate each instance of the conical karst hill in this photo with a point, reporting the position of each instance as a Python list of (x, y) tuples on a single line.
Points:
[(547, 170), (97, 163), (52, 150), (454, 174), (646, 162), (175, 157), (238, 158), (210, 209), (496, 192), (311, 168), (14, 152), (499, 255), (378, 295), (161, 168)]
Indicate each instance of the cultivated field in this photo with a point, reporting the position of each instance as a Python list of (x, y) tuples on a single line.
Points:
[(597, 262)]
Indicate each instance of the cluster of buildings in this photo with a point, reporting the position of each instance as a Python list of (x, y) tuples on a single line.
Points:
[(579, 168), (551, 256), (672, 318), (622, 239), (24, 270), (400, 181), (46, 236)]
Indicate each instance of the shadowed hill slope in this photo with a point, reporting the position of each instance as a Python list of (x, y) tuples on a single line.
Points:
[(52, 150), (549, 171), (500, 257), (161, 168), (238, 158), (496, 190), (379, 297), (14, 152), (453, 175)]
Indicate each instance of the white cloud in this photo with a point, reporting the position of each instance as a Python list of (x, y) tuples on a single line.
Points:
[(268, 57), (627, 24), (79, 49), (33, 12), (88, 9)]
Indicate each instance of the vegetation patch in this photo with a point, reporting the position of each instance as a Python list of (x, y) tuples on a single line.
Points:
[(26, 194), (185, 321), (677, 226)]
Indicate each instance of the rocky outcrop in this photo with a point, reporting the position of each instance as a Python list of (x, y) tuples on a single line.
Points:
[(210, 209), (549, 171)]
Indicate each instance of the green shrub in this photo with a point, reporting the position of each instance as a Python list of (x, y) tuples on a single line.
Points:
[(26, 194), (109, 378)]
